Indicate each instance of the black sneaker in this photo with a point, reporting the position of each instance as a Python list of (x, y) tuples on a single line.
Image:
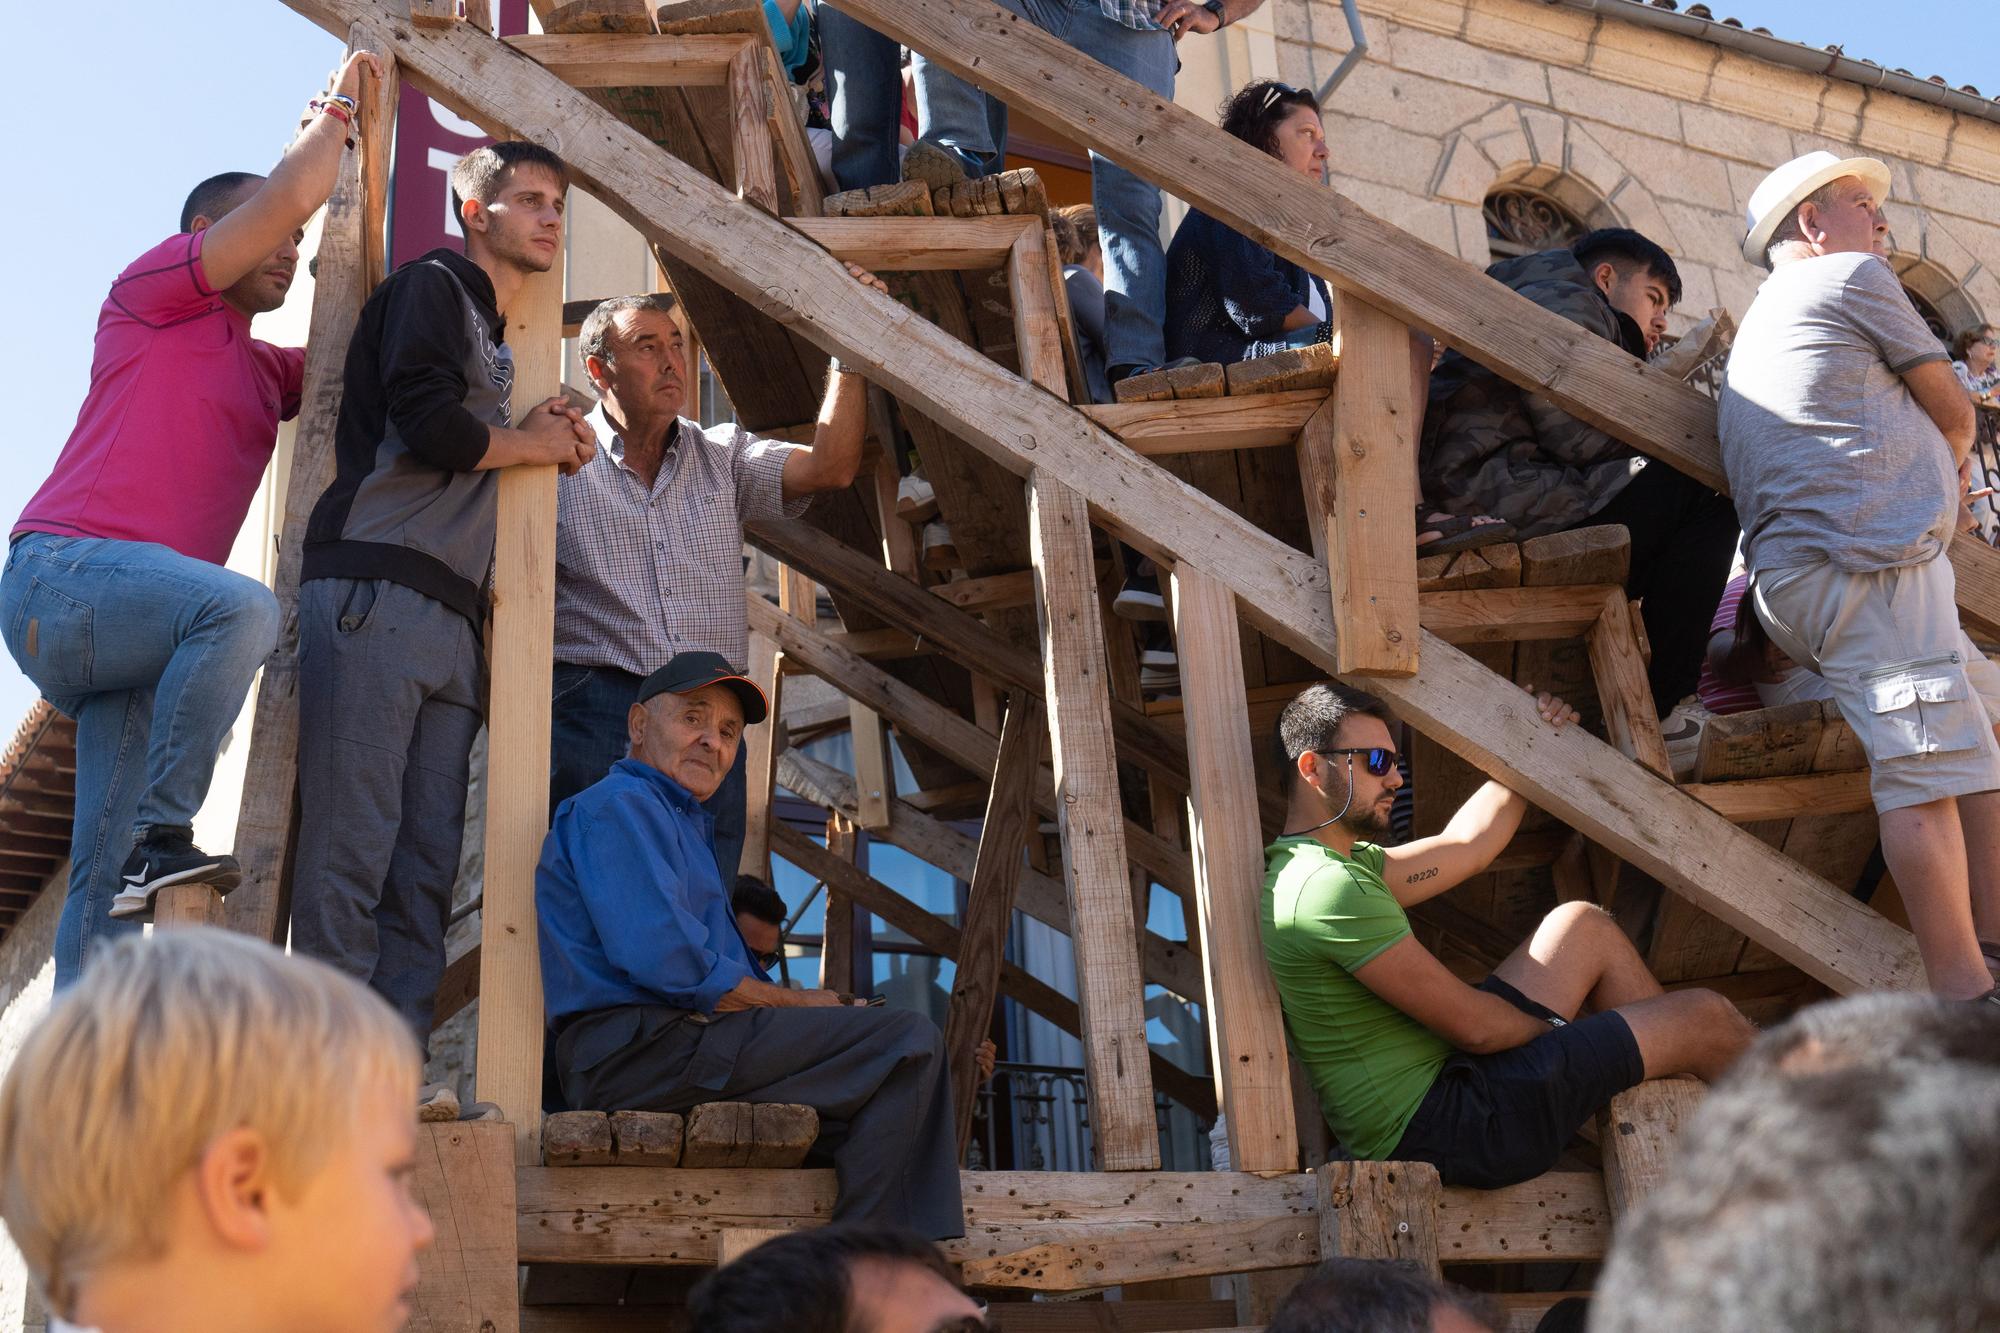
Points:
[(168, 856)]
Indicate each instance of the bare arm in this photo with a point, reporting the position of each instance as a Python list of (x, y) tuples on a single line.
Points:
[(1936, 388), (1410, 977), (751, 993), (289, 196), (1479, 831), (833, 458), (1427, 867)]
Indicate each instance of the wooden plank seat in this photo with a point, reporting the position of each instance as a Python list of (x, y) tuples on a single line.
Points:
[(763, 1135)]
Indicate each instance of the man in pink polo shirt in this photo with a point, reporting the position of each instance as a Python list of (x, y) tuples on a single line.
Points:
[(114, 601)]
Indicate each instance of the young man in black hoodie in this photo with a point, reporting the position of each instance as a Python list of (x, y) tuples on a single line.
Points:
[(392, 595)]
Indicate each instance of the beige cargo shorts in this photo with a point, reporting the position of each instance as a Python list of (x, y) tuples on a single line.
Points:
[(1920, 697)]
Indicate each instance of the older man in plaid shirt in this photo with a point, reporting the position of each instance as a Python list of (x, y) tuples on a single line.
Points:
[(649, 538), (1136, 38)]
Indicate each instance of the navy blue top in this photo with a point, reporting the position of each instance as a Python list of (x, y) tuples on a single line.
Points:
[(1227, 296), (632, 907)]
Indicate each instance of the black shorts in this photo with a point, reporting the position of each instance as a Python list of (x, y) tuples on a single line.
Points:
[(1493, 1120)]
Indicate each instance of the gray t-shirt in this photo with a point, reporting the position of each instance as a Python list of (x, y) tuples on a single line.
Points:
[(1829, 455)]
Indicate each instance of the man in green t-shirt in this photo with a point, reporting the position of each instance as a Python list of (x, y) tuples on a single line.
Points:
[(1486, 1082)]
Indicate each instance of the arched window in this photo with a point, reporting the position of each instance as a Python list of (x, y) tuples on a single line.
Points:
[(1523, 220), (1932, 315), (1937, 297)]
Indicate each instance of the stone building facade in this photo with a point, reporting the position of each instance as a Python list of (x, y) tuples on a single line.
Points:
[(1462, 104)]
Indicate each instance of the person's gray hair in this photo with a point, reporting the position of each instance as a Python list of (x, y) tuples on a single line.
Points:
[(1778, 249), (1375, 1296), (1844, 1177), (594, 338)]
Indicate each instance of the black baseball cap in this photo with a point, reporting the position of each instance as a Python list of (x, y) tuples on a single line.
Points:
[(690, 671)]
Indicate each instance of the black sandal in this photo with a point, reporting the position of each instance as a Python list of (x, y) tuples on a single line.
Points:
[(1461, 532)]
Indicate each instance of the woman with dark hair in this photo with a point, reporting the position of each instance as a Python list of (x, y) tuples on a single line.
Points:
[(1228, 298), (1231, 299)]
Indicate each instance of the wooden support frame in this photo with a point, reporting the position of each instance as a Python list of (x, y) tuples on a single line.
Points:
[(1166, 963), (619, 59), (836, 941), (1197, 425), (356, 212), (1637, 1131), (1245, 1023), (1102, 929), (756, 151), (469, 1276), (989, 902), (521, 662), (1362, 482), (920, 244), (619, 1214), (1380, 1210)]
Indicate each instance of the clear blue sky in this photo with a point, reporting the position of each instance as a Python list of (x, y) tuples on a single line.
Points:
[(105, 150)]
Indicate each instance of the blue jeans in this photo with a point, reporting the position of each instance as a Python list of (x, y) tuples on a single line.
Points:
[(864, 88), (587, 735), (152, 652), (1128, 208)]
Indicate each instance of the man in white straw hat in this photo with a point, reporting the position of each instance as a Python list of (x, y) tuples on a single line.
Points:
[(1843, 433)]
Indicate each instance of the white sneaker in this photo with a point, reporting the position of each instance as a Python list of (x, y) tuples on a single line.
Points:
[(939, 553), (1681, 730), (916, 502)]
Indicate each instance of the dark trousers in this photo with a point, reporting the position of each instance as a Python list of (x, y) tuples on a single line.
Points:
[(588, 735), (1683, 539), (877, 1077), (389, 704)]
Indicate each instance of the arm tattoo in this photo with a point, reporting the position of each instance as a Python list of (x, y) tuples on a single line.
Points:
[(1427, 872)]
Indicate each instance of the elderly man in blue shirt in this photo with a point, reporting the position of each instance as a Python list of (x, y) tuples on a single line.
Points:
[(657, 1004)]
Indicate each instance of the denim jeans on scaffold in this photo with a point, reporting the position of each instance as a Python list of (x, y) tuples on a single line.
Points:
[(1128, 207), (587, 735), (864, 89), (152, 652)]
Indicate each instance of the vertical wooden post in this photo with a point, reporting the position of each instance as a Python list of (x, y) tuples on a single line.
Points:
[(470, 1276), (378, 128), (836, 945), (1245, 1024), (761, 768), (989, 904), (1363, 480), (750, 130), (1037, 327), (1637, 1131), (1109, 989), (1630, 722), (186, 905), (265, 821), (874, 775), (1379, 1210), (517, 736)]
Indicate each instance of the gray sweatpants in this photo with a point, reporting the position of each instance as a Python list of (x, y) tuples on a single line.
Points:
[(877, 1077), (389, 689)]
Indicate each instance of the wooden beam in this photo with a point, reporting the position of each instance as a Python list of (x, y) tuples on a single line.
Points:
[(1102, 929), (1746, 801), (179, 905), (750, 131), (766, 668), (1038, 340), (1630, 722), (919, 244), (801, 167), (836, 941), (989, 902), (261, 905), (509, 1058), (1511, 615), (1189, 1250), (468, 1276), (989, 592), (433, 13), (1283, 593), (618, 60), (1637, 1131), (1167, 963), (379, 98), (1197, 425), (1370, 516), (1380, 1210), (942, 939), (1246, 1026)]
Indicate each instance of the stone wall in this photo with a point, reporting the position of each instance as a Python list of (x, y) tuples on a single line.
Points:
[(27, 979), (1632, 127)]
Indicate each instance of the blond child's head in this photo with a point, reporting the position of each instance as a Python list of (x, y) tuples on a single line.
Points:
[(205, 1123)]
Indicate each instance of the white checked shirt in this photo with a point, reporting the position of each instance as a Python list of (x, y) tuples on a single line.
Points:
[(642, 575)]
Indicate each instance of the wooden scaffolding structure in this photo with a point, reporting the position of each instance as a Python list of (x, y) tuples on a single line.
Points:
[(1283, 520)]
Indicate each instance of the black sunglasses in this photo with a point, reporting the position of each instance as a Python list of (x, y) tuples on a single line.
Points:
[(1380, 757), (767, 961)]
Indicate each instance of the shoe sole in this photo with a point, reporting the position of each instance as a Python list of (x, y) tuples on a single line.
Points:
[(138, 902), (1139, 606)]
